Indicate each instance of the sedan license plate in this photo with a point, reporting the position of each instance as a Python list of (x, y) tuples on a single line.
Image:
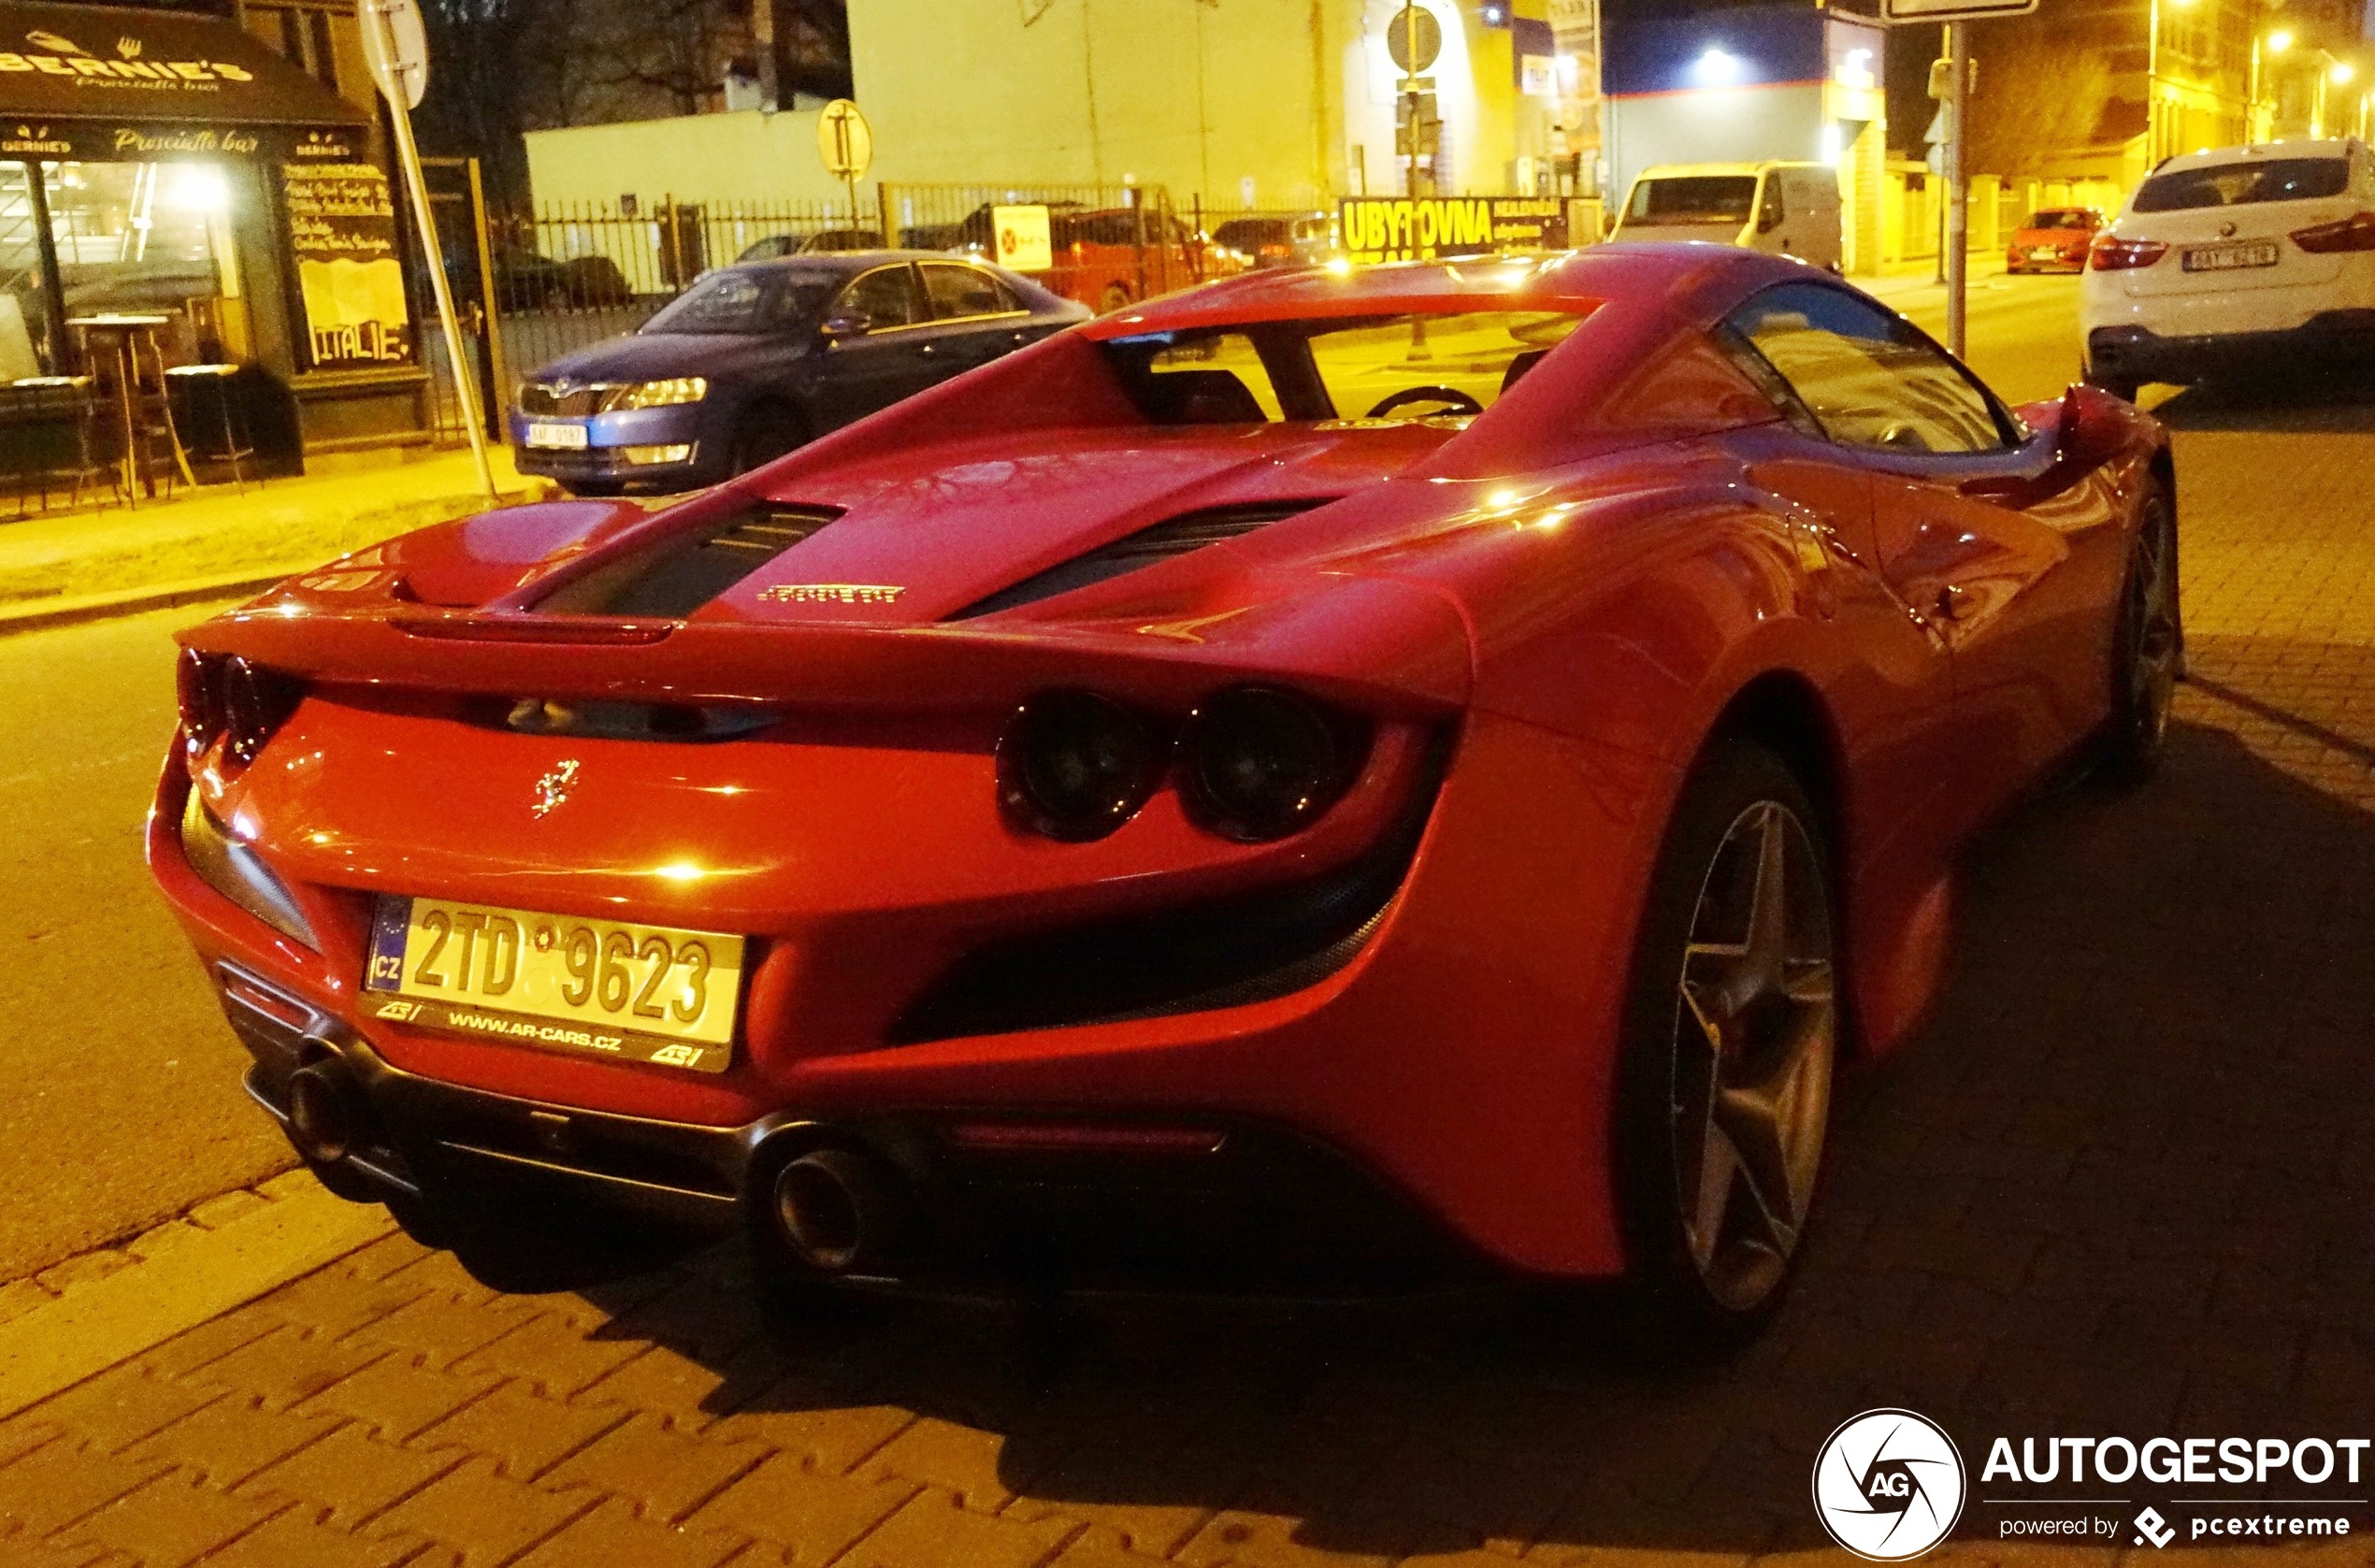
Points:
[(2043, 253), (551, 433), (602, 988), (2224, 258)]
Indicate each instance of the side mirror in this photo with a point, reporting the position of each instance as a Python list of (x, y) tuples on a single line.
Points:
[(837, 327), (2095, 428), (1769, 218)]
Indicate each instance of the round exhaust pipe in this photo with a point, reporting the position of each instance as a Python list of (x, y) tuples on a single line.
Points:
[(325, 1112), (835, 1208)]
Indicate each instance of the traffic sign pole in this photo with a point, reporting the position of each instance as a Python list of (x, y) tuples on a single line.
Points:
[(377, 14), (1958, 195)]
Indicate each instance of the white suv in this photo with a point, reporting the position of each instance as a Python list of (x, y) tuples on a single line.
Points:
[(2236, 257)]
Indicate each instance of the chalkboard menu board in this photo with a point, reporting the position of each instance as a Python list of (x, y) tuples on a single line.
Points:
[(342, 229)]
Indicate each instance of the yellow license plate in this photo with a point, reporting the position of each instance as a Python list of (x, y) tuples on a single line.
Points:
[(600, 987)]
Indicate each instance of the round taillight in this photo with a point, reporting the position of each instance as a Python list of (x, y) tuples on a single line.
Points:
[(254, 701), (199, 699), (1256, 763), (1075, 766)]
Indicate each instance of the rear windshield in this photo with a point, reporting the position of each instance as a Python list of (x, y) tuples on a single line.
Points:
[(1393, 368), (2235, 184), (745, 301), (1698, 198), (2062, 218)]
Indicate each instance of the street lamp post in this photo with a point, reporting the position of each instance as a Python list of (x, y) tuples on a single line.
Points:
[(2338, 72), (2277, 43)]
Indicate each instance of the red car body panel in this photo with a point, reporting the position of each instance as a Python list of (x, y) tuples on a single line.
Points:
[(1578, 585)]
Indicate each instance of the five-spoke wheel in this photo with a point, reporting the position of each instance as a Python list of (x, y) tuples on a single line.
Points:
[(1731, 1033)]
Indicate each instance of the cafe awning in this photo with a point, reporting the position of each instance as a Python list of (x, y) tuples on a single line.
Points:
[(101, 83)]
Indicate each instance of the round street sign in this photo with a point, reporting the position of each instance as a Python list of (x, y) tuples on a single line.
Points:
[(397, 51), (1414, 39), (843, 140)]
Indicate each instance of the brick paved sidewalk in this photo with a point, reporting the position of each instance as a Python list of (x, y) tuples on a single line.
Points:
[(2119, 1187)]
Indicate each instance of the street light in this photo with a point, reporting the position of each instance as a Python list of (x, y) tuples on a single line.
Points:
[(2336, 72), (2277, 43)]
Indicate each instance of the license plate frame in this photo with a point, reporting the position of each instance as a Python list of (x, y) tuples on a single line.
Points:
[(2249, 253), (555, 435), (445, 991)]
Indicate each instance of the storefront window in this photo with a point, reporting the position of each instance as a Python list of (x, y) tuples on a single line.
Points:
[(25, 336)]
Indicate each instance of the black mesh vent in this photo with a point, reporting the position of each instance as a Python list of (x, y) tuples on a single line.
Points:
[(1226, 953), (1174, 536), (680, 574)]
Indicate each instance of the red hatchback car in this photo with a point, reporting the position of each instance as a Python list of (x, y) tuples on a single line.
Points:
[(1318, 783), (2053, 240)]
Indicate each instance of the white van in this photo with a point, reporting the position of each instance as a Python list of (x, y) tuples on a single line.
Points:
[(1788, 210)]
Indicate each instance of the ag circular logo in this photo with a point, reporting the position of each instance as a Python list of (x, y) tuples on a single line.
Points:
[(1889, 1485)]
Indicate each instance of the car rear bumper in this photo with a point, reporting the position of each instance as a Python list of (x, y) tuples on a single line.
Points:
[(2141, 355), (1416, 1047), (990, 1200)]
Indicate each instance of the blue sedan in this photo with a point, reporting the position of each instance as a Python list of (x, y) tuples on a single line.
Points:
[(757, 358)]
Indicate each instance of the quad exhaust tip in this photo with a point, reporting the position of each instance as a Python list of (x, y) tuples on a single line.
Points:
[(837, 1209)]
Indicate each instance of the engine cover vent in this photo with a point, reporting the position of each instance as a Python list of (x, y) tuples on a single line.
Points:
[(678, 575), (1174, 536)]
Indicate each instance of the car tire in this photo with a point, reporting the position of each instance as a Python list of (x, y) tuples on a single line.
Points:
[(762, 434), (1726, 1056), (2148, 648)]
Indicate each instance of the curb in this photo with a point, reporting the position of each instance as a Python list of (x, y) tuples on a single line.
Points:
[(102, 606), (77, 1318)]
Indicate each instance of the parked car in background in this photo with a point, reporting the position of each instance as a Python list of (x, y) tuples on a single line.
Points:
[(823, 242), (2235, 258), (1104, 258), (1784, 209), (2055, 239), (757, 358), (1242, 244), (527, 281)]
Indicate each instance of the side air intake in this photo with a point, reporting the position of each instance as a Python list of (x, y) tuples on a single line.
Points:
[(1174, 536), (678, 575)]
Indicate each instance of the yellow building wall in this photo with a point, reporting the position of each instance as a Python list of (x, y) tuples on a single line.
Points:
[(1198, 98), (744, 157)]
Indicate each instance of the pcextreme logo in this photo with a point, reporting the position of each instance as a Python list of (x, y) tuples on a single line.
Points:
[(1889, 1485)]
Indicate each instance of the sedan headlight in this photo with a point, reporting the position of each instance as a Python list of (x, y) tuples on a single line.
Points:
[(655, 394)]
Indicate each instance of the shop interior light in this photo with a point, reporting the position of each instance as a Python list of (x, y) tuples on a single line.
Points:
[(197, 188)]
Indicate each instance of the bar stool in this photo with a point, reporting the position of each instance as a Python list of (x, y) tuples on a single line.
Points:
[(217, 381), (121, 334)]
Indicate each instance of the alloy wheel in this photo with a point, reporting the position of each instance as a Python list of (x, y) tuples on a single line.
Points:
[(2152, 635), (1755, 1030)]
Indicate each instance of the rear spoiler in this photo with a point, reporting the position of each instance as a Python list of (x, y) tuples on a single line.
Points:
[(1387, 648)]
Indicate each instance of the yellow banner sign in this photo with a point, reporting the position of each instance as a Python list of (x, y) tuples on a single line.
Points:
[(1419, 228)]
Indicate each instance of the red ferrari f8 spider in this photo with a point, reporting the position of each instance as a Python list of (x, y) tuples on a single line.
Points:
[(1323, 783)]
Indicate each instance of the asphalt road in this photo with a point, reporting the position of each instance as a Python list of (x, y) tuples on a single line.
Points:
[(2023, 332), (124, 1107)]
